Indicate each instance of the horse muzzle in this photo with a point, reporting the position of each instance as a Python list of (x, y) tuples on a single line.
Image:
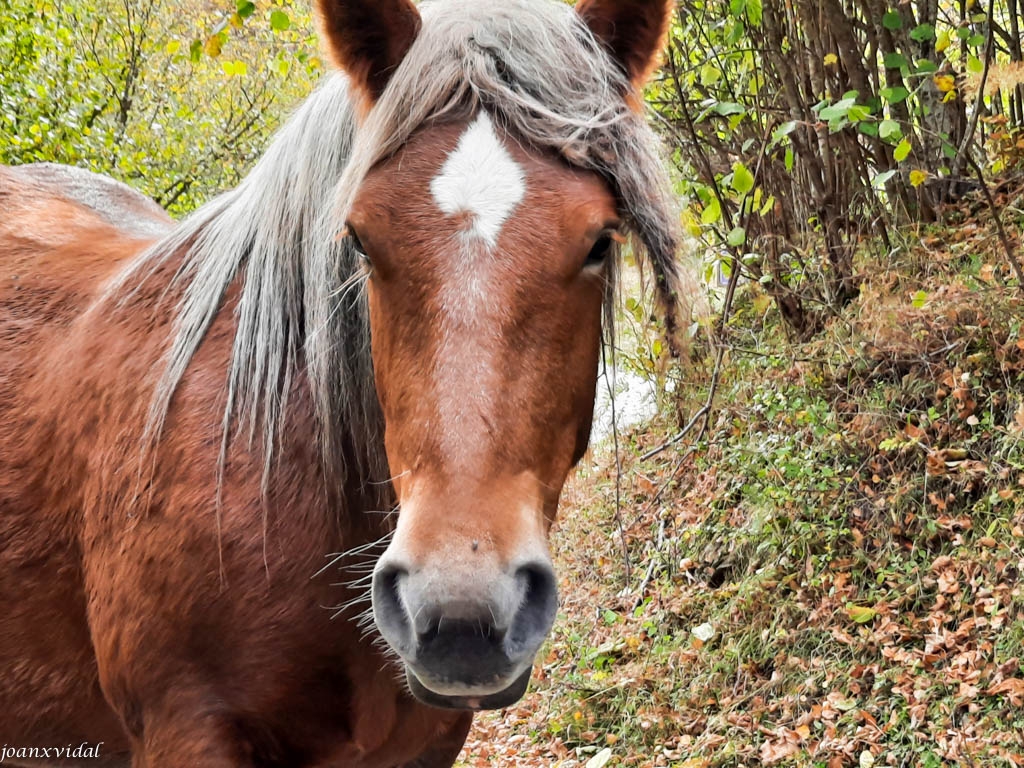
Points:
[(467, 637)]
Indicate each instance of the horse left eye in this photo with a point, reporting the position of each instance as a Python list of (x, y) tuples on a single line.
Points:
[(357, 244), (599, 251)]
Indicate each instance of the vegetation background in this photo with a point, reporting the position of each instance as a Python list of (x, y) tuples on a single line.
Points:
[(812, 555)]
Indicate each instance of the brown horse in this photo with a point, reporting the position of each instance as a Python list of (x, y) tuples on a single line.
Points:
[(400, 307)]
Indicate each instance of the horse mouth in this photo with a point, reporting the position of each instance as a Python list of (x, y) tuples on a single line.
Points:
[(499, 700)]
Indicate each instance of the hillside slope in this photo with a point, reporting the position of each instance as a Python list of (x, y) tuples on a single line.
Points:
[(831, 575)]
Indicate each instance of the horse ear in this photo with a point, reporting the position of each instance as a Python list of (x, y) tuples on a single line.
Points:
[(633, 31), (368, 38)]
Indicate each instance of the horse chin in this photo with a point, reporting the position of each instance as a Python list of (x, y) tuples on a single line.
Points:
[(499, 700)]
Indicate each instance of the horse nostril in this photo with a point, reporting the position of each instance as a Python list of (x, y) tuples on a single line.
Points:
[(537, 611), (388, 609)]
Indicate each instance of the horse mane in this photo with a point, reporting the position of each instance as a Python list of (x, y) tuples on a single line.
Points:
[(539, 71), (276, 231)]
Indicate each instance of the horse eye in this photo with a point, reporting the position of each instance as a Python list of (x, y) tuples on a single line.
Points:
[(599, 251), (357, 244)]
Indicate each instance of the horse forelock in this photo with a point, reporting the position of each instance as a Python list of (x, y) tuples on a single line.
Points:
[(536, 69)]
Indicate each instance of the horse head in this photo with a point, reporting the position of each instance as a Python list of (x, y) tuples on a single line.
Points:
[(488, 235)]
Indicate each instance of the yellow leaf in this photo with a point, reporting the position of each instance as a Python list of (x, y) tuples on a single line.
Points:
[(943, 42), (234, 68), (762, 303), (917, 177), (172, 47), (861, 614), (945, 83), (690, 223), (830, 59), (213, 46)]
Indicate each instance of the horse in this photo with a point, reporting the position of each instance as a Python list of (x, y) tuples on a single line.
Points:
[(276, 481)]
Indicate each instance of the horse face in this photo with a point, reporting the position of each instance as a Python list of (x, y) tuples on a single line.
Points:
[(486, 262), (486, 279)]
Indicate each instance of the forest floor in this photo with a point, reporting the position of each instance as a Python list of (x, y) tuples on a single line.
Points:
[(831, 575)]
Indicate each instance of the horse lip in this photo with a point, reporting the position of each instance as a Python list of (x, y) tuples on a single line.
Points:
[(499, 700)]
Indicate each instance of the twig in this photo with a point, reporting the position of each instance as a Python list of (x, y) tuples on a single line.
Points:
[(650, 567), (618, 463), (1003, 238), (679, 435), (705, 410)]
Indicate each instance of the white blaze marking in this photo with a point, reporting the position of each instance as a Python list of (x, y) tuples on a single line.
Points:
[(480, 178)]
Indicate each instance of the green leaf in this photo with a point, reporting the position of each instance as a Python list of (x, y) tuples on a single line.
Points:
[(974, 64), (890, 129), (868, 128), (902, 151), (892, 20), (281, 66), (789, 159), (894, 95), (754, 12), (710, 74), (925, 67), (712, 212), (737, 237), (279, 21), (784, 130), (922, 32), (838, 110), (858, 112), (948, 150), (742, 178), (919, 300), (729, 108), (894, 60), (245, 8), (976, 40), (881, 179)]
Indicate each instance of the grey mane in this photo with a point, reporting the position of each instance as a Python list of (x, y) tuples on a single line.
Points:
[(534, 66)]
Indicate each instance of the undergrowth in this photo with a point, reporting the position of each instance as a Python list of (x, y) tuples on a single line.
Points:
[(830, 576)]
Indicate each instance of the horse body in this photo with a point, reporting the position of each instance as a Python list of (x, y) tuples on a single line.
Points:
[(193, 415), (224, 628)]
